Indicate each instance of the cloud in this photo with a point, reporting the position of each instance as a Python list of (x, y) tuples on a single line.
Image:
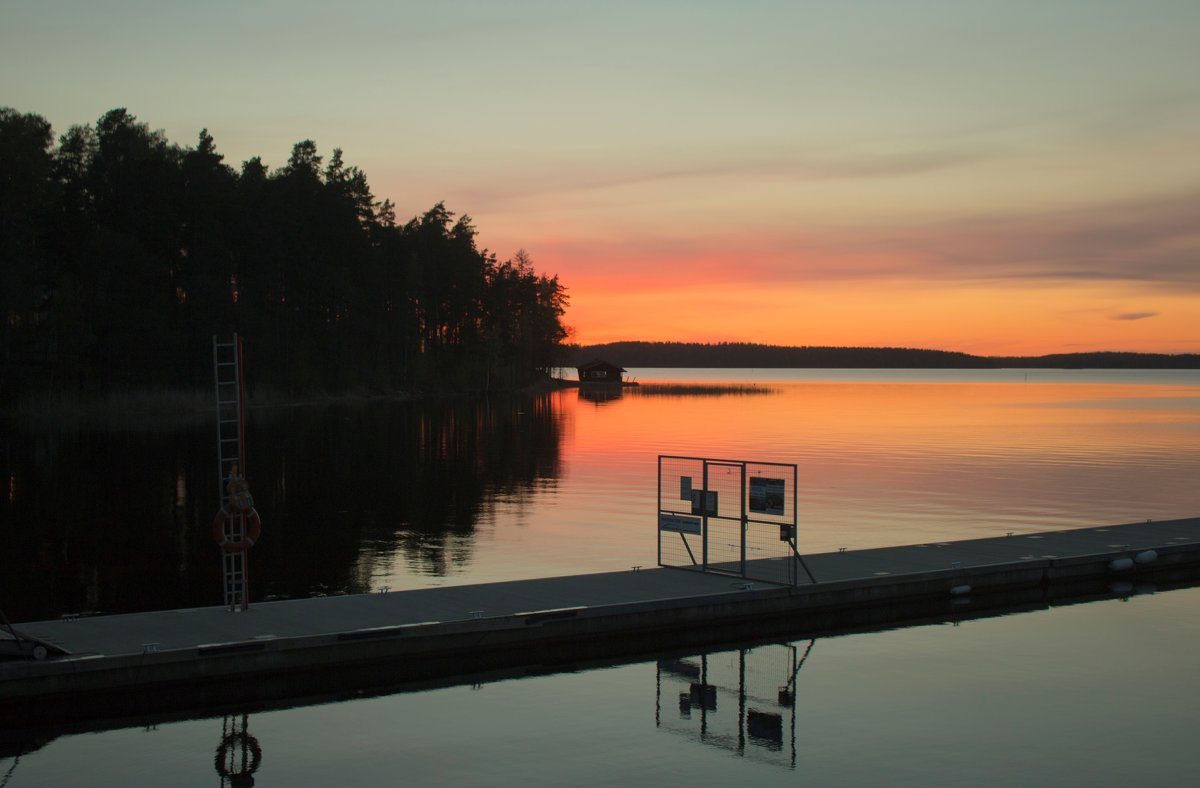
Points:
[(806, 168), (1153, 243), (578, 181), (1135, 315), (1154, 240)]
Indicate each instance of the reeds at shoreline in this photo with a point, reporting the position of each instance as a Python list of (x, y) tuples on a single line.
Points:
[(698, 389)]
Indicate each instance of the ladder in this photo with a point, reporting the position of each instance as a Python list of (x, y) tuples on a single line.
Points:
[(231, 458)]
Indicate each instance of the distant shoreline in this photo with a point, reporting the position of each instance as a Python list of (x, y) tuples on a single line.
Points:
[(749, 355)]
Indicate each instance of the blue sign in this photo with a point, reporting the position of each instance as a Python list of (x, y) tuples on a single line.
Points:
[(679, 524)]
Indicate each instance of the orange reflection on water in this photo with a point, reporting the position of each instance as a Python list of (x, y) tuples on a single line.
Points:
[(881, 461), (988, 415), (894, 463)]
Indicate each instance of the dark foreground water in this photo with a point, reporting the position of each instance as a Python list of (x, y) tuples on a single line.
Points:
[(355, 497), (1096, 694)]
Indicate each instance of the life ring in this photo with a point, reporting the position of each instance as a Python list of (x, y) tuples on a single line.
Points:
[(253, 523)]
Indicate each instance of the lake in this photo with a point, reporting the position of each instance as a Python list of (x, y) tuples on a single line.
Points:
[(358, 496)]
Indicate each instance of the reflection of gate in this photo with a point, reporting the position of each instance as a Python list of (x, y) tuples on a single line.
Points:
[(743, 701), (730, 517)]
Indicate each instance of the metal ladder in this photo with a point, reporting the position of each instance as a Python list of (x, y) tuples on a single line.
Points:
[(231, 433)]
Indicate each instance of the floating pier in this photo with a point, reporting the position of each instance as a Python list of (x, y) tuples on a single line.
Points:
[(148, 658)]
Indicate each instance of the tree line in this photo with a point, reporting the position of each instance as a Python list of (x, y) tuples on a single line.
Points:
[(122, 254), (751, 355)]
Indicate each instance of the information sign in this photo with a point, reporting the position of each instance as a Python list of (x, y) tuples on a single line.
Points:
[(766, 495), (679, 524)]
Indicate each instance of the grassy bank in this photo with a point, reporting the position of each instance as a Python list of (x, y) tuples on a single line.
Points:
[(148, 409)]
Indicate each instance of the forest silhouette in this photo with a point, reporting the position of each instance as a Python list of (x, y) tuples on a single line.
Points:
[(746, 355), (122, 254)]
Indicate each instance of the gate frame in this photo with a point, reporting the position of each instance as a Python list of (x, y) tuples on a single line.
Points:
[(744, 517)]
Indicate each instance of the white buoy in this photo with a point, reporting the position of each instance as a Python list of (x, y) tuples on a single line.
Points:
[(1120, 564), (1121, 587), (1146, 556), (960, 590)]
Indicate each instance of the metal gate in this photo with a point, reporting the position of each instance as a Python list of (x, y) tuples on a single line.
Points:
[(729, 517)]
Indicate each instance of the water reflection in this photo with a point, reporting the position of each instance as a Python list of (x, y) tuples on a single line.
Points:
[(743, 700), (100, 521), (936, 703), (239, 754), (360, 495), (601, 394)]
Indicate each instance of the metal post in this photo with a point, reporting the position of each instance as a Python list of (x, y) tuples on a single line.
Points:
[(744, 519), (704, 511), (241, 427), (657, 529)]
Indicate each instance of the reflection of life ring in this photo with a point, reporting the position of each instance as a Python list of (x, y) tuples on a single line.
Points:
[(254, 530), (235, 744)]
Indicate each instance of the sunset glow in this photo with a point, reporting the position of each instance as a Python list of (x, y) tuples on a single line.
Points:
[(991, 177)]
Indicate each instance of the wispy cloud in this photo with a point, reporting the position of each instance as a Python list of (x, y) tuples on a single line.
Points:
[(577, 181), (1152, 243), (830, 166), (1135, 315)]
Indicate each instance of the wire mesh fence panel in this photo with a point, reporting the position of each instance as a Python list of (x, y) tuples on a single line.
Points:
[(680, 532), (724, 509), (728, 516), (771, 522)]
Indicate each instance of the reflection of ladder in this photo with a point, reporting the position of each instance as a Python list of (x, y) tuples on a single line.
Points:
[(231, 457)]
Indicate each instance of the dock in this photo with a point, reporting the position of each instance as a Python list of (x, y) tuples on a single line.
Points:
[(277, 647)]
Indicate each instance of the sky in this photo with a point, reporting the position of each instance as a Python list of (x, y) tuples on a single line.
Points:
[(987, 176)]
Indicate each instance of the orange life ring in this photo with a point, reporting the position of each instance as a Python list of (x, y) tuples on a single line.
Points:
[(253, 522)]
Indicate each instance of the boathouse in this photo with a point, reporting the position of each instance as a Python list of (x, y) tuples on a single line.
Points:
[(600, 372)]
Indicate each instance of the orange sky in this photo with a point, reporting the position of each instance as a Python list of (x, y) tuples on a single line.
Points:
[(1108, 276), (990, 177)]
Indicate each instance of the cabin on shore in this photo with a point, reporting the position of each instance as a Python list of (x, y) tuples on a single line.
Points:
[(600, 372)]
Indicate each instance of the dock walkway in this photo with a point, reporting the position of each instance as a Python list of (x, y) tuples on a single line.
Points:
[(520, 622)]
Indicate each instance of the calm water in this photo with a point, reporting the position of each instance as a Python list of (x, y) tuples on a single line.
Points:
[(403, 495), (1088, 695)]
